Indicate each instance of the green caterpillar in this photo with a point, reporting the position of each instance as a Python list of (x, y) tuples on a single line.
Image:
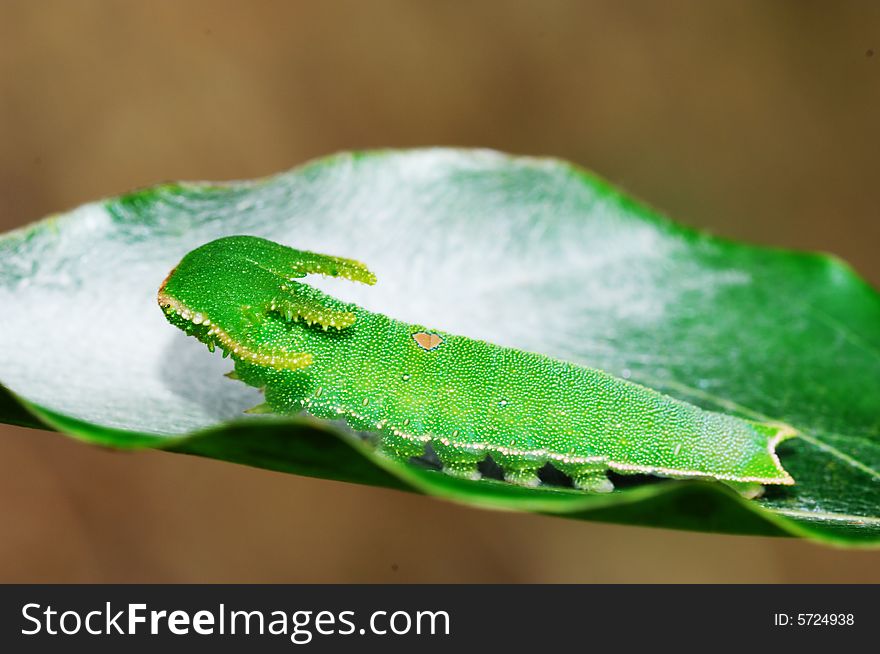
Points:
[(469, 399)]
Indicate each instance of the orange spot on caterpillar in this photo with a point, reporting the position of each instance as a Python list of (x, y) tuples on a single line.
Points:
[(427, 341)]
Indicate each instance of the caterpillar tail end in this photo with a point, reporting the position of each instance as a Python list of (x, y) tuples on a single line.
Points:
[(779, 432), (765, 469)]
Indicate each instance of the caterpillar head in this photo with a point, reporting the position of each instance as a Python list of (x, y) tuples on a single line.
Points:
[(228, 292)]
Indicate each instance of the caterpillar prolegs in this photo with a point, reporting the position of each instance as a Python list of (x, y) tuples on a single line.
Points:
[(469, 399)]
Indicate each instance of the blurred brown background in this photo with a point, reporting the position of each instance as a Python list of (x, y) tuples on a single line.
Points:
[(756, 120)]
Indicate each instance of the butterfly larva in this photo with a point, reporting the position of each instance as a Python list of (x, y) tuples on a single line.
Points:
[(469, 399)]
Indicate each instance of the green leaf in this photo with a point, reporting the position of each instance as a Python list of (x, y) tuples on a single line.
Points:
[(529, 253)]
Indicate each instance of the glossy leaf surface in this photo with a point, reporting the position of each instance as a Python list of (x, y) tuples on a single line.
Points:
[(532, 254)]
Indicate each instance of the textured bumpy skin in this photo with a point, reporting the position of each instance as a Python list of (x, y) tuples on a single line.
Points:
[(412, 385)]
